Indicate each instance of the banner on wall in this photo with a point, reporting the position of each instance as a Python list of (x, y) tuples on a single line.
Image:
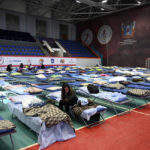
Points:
[(49, 61), (128, 29), (128, 33)]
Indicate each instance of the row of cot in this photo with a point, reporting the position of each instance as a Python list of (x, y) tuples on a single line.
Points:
[(17, 110), (102, 93)]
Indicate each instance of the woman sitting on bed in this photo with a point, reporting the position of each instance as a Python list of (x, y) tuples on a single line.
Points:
[(21, 68), (68, 96)]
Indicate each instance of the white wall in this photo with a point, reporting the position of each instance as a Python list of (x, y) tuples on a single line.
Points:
[(27, 24), (87, 61), (16, 60)]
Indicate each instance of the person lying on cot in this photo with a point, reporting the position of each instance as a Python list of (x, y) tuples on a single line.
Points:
[(68, 97)]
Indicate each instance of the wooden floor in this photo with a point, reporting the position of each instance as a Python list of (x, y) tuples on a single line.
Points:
[(127, 132)]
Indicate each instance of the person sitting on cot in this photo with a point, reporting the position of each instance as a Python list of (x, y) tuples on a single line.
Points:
[(68, 97), (9, 68)]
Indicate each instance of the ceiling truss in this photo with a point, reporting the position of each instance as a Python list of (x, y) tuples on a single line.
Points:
[(71, 11)]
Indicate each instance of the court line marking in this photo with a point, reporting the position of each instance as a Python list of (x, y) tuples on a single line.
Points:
[(141, 113)]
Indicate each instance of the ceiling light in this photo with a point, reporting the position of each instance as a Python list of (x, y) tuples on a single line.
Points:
[(77, 1), (104, 1), (102, 9), (138, 2)]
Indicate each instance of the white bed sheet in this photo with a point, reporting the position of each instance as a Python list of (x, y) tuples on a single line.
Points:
[(111, 96)]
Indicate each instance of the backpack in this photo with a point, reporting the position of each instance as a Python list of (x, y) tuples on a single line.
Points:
[(93, 88)]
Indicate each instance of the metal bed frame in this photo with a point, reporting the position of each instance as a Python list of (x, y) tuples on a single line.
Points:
[(111, 102), (8, 132)]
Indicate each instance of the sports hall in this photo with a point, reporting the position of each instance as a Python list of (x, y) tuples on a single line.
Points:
[(74, 74)]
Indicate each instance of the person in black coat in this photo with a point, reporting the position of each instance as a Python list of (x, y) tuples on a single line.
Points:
[(42, 66), (68, 97), (9, 68), (21, 67)]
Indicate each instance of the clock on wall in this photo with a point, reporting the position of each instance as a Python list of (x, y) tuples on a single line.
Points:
[(87, 36), (104, 34)]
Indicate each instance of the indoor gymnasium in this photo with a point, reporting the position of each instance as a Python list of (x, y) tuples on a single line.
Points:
[(74, 75)]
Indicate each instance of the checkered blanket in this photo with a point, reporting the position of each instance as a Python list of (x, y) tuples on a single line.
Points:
[(139, 92), (6, 124), (49, 114)]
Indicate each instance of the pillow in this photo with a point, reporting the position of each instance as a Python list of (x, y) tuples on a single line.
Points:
[(15, 74), (23, 98), (3, 75), (2, 93), (148, 78), (41, 76), (72, 71), (33, 90), (84, 84), (16, 99), (54, 88)]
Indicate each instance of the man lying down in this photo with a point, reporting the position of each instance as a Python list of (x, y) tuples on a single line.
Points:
[(55, 125)]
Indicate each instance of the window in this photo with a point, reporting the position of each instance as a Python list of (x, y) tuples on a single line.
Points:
[(41, 28), (12, 22), (63, 30)]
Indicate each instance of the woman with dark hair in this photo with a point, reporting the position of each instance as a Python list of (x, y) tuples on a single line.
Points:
[(9, 68), (21, 67), (68, 97), (42, 66)]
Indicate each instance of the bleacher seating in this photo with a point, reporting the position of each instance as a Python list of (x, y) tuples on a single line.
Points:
[(76, 49), (16, 36), (20, 50)]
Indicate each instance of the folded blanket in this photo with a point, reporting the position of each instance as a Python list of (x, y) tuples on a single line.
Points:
[(114, 86)]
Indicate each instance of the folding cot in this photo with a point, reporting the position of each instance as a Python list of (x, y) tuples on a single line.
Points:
[(4, 132), (87, 115), (112, 98), (3, 95), (140, 93), (60, 128)]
